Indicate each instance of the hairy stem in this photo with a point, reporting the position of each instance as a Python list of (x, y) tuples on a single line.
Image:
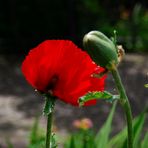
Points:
[(48, 132), (48, 112)]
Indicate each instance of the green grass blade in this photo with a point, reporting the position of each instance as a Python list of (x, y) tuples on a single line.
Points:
[(34, 131), (120, 139), (36, 137), (145, 141), (137, 128), (81, 139), (102, 137), (72, 142), (75, 141), (68, 142), (88, 139)]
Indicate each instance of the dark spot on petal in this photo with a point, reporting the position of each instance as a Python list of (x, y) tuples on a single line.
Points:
[(53, 81)]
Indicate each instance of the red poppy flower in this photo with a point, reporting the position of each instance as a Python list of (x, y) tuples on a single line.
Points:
[(60, 67)]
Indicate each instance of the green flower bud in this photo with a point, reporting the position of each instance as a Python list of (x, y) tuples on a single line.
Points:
[(101, 49)]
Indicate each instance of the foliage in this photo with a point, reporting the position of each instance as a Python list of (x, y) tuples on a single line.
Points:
[(120, 139), (132, 29), (86, 138), (102, 136), (37, 137), (103, 139), (105, 95)]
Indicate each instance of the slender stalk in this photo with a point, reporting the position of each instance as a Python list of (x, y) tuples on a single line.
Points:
[(48, 132), (48, 112), (125, 104)]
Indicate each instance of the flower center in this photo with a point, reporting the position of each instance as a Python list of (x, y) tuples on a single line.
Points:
[(52, 83)]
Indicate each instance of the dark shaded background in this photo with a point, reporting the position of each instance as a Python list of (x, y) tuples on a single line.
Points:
[(25, 23)]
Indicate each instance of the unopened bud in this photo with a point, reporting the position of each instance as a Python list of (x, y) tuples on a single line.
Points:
[(101, 49)]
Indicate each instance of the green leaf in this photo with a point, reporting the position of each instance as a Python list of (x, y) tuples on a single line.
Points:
[(53, 142), (88, 139), (81, 139), (37, 136), (98, 95), (120, 139), (78, 140), (75, 141), (34, 131), (137, 128), (102, 137), (68, 142), (146, 85), (145, 141), (72, 142)]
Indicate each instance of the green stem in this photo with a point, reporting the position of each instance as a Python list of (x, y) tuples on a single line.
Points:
[(126, 106), (48, 132), (48, 111)]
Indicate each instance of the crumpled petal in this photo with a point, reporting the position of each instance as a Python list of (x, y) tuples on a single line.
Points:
[(63, 68)]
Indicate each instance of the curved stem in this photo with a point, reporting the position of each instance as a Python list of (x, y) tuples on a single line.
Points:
[(126, 106), (48, 132)]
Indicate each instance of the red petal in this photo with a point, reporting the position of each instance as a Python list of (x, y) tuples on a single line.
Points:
[(72, 66)]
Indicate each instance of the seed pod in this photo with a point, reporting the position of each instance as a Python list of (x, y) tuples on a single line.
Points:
[(101, 49)]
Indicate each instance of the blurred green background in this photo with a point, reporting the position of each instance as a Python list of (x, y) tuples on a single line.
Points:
[(25, 23)]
